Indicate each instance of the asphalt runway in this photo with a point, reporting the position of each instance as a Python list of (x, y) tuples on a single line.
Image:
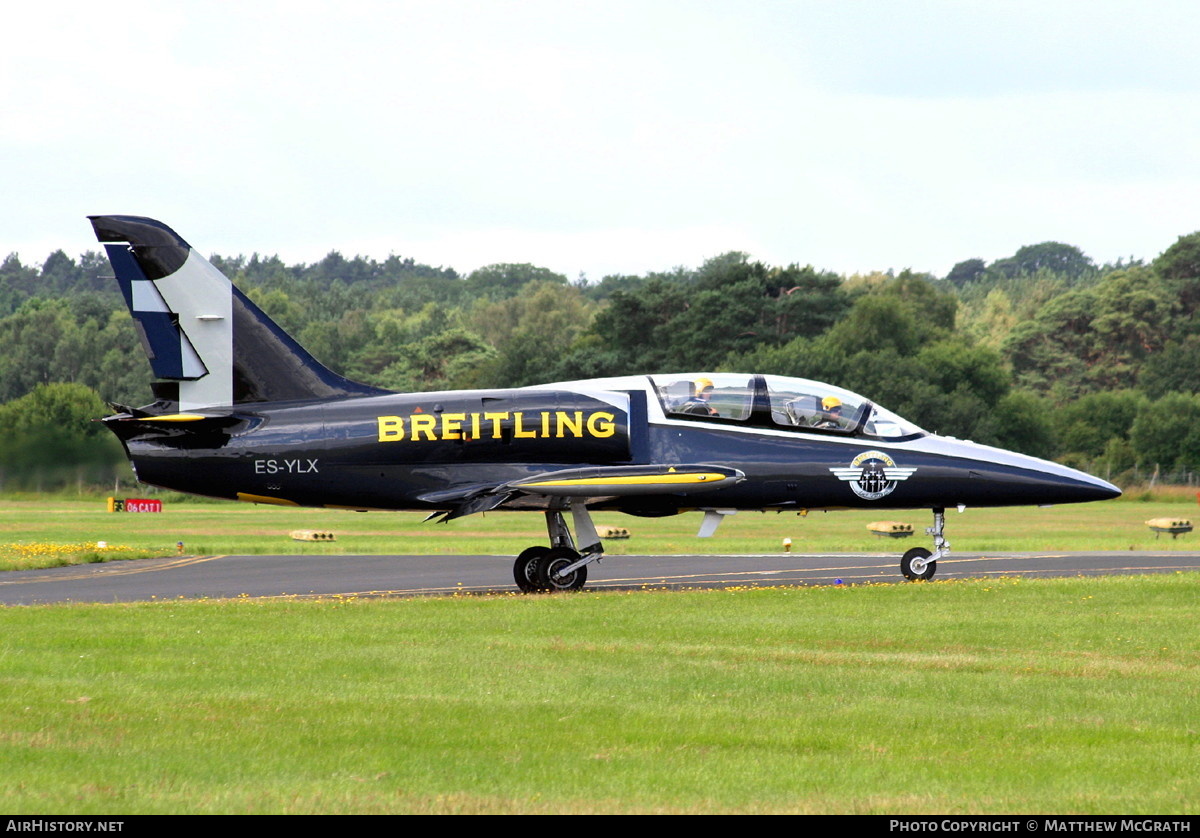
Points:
[(220, 577)]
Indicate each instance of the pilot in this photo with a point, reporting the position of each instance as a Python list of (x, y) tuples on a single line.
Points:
[(699, 404), (831, 413)]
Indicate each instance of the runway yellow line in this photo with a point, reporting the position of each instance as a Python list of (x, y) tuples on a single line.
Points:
[(838, 571), (1097, 571), (112, 569), (395, 592)]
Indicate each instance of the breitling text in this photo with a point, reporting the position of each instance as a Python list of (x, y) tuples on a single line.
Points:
[(545, 424)]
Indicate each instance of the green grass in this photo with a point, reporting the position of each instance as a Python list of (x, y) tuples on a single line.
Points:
[(989, 696), (219, 528), (1033, 696)]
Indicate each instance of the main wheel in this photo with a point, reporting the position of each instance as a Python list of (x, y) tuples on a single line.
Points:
[(555, 561), (915, 564), (525, 570)]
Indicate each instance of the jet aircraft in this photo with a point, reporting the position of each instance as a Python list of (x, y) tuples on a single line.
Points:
[(243, 412)]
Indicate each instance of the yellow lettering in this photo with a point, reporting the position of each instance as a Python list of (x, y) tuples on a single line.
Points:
[(433, 427), (452, 425), (391, 428), (495, 419), (423, 424), (520, 432), (575, 426), (599, 428)]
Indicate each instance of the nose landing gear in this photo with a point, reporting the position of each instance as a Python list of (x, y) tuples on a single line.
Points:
[(918, 564)]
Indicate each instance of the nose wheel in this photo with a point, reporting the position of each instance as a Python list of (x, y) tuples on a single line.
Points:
[(915, 564), (918, 564)]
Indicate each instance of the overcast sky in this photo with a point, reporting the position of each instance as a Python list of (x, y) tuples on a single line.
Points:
[(606, 137)]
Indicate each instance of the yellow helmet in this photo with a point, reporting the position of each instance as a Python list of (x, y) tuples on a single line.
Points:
[(830, 402), (703, 384)]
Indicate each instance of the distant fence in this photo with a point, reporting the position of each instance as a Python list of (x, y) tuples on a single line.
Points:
[(1143, 475), (1183, 476)]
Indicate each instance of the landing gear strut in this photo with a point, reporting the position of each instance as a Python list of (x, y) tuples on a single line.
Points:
[(918, 563), (560, 567)]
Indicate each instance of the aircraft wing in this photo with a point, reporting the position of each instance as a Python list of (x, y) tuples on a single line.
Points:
[(594, 482), (609, 481)]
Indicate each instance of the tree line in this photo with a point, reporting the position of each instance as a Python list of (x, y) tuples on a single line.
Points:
[(1043, 351)]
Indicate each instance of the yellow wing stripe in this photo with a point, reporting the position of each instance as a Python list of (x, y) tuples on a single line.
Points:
[(636, 480), (173, 417), (248, 498)]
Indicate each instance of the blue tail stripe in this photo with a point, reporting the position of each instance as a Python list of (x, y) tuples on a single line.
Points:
[(126, 269)]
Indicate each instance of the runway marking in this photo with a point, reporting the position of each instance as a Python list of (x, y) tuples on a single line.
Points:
[(109, 569), (1090, 571), (714, 575), (482, 589)]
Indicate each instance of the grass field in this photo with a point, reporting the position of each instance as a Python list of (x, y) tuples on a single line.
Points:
[(988, 696), (1046, 696), (226, 527)]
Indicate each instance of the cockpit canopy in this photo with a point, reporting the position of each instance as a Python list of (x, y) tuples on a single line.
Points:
[(777, 401)]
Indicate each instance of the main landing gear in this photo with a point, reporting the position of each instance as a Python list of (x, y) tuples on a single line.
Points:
[(560, 567), (918, 563)]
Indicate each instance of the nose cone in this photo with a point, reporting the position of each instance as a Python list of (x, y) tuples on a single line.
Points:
[(1102, 489), (1053, 483), (997, 477), (1037, 483)]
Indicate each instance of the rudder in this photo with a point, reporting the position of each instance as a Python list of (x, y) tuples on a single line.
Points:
[(201, 332)]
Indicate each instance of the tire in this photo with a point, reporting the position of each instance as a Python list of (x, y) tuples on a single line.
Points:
[(554, 561), (525, 569), (915, 565)]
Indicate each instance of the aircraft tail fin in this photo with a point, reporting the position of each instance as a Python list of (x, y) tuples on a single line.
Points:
[(208, 343)]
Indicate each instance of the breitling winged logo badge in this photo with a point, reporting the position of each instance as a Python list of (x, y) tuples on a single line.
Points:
[(872, 475)]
